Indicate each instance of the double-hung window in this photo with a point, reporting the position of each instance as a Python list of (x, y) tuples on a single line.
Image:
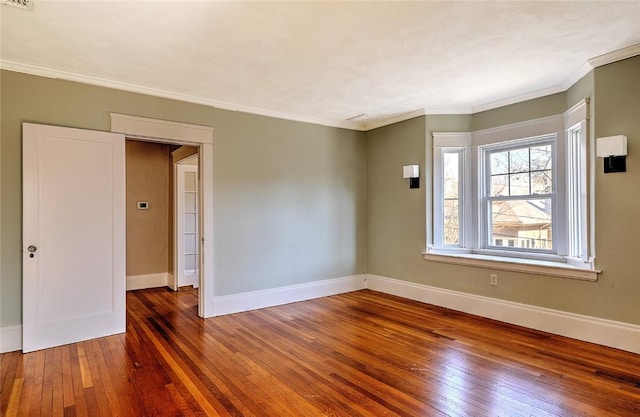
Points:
[(518, 195), (514, 194)]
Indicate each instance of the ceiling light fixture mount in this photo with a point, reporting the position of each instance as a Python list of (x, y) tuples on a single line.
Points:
[(21, 4), (358, 117)]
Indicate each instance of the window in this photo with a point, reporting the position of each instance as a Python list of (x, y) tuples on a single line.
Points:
[(513, 192), (518, 194), (451, 167)]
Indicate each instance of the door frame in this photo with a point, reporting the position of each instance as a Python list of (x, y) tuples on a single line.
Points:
[(175, 133)]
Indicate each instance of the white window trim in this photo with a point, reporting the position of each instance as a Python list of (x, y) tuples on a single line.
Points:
[(460, 142), (579, 115), (469, 252), (528, 266), (557, 218)]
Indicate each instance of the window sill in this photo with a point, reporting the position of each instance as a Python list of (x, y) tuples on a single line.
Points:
[(529, 266)]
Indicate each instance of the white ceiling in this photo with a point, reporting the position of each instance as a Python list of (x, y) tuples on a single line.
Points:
[(323, 62)]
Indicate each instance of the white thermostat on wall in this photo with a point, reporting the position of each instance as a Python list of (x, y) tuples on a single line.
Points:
[(143, 205)]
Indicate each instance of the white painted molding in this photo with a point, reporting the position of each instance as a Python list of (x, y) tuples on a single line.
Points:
[(140, 282), (513, 264), (393, 119), (236, 303), (451, 139), (615, 56), (118, 85), (146, 128), (525, 129), (10, 338), (585, 69), (518, 99), (610, 333), (154, 129)]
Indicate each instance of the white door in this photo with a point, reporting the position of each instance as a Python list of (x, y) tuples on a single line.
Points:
[(187, 224), (73, 235)]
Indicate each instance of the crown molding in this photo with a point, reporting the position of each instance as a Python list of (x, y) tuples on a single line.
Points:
[(592, 63), (393, 119), (585, 69), (614, 56), (133, 88), (517, 99)]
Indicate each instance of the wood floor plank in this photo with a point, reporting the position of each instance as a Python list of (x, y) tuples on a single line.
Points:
[(36, 407), (362, 354), (57, 405), (9, 373)]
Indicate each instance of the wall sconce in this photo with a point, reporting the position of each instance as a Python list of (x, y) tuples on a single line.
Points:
[(413, 173), (614, 151)]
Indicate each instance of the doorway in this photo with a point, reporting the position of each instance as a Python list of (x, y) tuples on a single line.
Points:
[(200, 137), (90, 193)]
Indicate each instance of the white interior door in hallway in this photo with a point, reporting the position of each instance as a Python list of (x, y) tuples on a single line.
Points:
[(187, 223), (73, 235)]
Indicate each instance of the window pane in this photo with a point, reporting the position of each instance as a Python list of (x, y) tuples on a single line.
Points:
[(190, 223), (190, 181), (451, 222), (499, 185), (521, 223), (190, 243), (190, 262), (519, 184), (499, 163), (519, 160), (451, 174), (190, 202), (541, 182), (541, 158)]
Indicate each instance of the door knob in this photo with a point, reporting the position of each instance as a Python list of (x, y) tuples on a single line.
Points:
[(32, 249)]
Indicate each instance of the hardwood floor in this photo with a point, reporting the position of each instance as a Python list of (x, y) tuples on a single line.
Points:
[(357, 354)]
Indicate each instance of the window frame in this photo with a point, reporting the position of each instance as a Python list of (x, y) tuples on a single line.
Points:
[(484, 176), (574, 196), (457, 142)]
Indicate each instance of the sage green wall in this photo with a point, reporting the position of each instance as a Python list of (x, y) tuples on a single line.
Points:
[(289, 203), (617, 112), (526, 110), (396, 214)]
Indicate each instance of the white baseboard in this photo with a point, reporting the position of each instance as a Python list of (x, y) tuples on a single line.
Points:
[(10, 338), (236, 303), (140, 282), (610, 333)]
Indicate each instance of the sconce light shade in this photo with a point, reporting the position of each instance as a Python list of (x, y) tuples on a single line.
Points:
[(614, 150), (411, 171), (612, 146)]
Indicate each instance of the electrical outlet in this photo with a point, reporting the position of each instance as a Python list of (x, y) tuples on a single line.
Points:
[(493, 279)]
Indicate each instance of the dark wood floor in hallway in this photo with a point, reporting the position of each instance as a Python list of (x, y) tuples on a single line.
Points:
[(357, 354)]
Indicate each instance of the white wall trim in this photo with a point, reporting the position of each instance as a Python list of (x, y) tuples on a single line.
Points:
[(155, 128), (134, 88), (615, 56), (140, 282), (515, 264), (393, 119), (610, 333), (518, 99), (10, 338), (520, 130), (236, 303)]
